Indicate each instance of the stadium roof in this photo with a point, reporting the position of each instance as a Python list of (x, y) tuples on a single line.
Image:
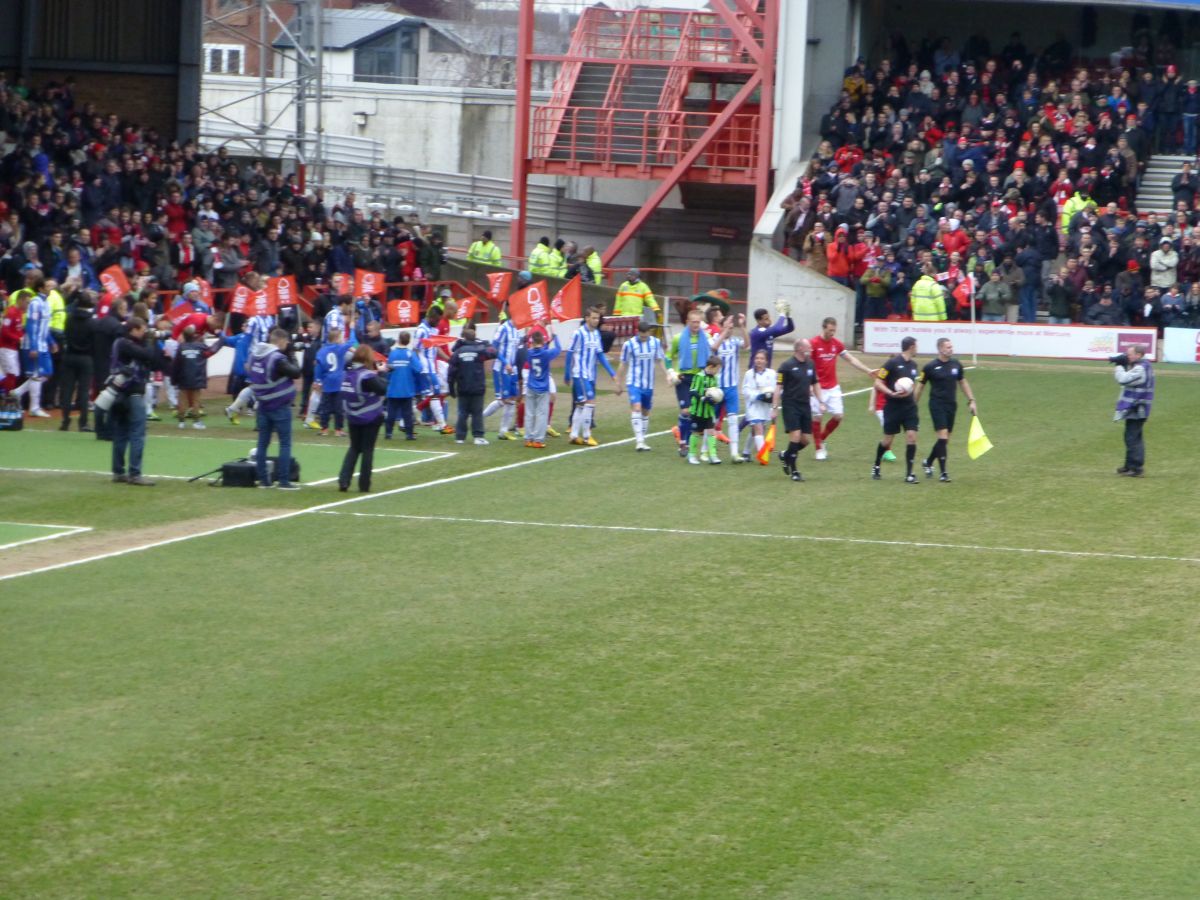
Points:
[(346, 28)]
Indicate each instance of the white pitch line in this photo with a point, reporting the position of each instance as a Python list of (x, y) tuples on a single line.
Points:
[(81, 472), (279, 517), (67, 531), (414, 462), (822, 539)]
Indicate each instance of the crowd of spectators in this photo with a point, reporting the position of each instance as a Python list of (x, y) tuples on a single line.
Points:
[(82, 190), (1010, 178)]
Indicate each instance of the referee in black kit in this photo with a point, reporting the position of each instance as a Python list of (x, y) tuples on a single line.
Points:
[(944, 375), (900, 409), (796, 385)]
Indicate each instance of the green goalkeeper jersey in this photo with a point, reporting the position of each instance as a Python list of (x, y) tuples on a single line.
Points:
[(702, 407)]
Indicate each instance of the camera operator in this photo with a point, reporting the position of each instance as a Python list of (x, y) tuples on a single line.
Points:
[(131, 363), (1136, 377), (272, 374), (108, 329)]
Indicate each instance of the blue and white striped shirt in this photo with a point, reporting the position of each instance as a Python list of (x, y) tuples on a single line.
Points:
[(37, 325), (333, 319), (727, 378), (428, 355), (586, 350), (505, 343), (639, 357), (260, 328)]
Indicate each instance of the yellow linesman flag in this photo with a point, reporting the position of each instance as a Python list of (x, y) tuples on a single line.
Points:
[(977, 442), (764, 455)]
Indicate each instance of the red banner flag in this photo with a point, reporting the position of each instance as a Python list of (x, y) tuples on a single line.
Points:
[(341, 283), (367, 283), (467, 307), (568, 302), (498, 285), (114, 281), (239, 300), (530, 305), (282, 290), (179, 310), (438, 340), (262, 304), (403, 312)]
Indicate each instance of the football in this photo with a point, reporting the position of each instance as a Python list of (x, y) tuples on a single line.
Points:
[(903, 385), (715, 394)]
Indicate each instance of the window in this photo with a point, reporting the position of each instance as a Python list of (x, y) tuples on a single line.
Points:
[(390, 58), (224, 59)]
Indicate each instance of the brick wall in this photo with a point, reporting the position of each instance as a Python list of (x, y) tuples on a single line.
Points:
[(145, 99)]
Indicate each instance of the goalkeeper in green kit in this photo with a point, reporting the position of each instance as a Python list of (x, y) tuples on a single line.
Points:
[(705, 398)]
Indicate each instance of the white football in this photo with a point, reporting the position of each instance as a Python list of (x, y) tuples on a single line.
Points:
[(903, 385), (715, 394)]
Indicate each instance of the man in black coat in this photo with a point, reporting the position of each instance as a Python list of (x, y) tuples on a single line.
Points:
[(467, 377)]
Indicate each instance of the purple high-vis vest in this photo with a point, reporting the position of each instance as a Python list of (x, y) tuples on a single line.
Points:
[(362, 407), (1135, 402), (270, 393)]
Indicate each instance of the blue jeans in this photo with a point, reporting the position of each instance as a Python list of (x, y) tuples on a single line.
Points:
[(278, 421), (128, 420), (1029, 302), (399, 408)]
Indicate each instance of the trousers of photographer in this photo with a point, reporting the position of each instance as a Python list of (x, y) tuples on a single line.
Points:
[(123, 398), (1136, 377)]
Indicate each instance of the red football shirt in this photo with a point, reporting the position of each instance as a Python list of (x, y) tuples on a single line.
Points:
[(198, 320), (825, 355)]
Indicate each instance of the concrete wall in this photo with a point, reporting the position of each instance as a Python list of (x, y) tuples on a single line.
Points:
[(813, 296)]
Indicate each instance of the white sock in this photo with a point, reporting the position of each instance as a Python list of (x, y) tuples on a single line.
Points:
[(645, 427), (438, 410), (151, 394), (242, 402), (314, 400), (589, 413), (35, 394), (172, 394), (507, 416), (578, 420), (635, 419), (731, 431), (491, 408), (759, 441), (591, 422), (22, 388)]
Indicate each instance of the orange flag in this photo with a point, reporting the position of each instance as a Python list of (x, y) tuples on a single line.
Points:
[(179, 311), (438, 340), (240, 299), (282, 290), (262, 303), (764, 455), (498, 285), (367, 283), (467, 306), (403, 312), (206, 291), (529, 305), (114, 281), (568, 302)]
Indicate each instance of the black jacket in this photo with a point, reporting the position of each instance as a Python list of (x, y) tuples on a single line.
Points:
[(105, 331), (468, 370), (80, 334)]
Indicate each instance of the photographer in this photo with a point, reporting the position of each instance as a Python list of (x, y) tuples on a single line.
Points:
[(130, 365), (272, 373), (1136, 377)]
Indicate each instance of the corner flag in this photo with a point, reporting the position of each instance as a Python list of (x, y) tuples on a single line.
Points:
[(977, 442), (764, 455)]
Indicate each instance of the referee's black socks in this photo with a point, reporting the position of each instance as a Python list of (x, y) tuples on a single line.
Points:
[(879, 451), (910, 453), (939, 453), (793, 450)]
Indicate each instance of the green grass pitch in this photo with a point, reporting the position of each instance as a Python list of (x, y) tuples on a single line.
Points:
[(610, 674)]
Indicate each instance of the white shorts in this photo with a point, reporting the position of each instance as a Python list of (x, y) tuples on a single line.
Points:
[(833, 402), (10, 362)]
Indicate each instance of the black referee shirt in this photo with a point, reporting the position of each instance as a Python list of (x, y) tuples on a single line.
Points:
[(893, 370), (943, 379), (796, 377)]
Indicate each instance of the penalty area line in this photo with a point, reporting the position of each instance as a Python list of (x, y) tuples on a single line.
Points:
[(64, 531), (321, 507), (755, 535)]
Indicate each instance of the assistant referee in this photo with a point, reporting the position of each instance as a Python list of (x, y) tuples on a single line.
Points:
[(944, 375)]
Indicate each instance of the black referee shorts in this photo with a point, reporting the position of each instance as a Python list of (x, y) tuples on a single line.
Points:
[(797, 417), (898, 417), (942, 414)]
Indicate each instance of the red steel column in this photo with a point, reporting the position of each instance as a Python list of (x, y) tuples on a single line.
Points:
[(766, 109), (525, 24)]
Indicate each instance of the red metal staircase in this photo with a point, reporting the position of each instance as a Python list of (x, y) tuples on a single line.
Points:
[(654, 94)]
